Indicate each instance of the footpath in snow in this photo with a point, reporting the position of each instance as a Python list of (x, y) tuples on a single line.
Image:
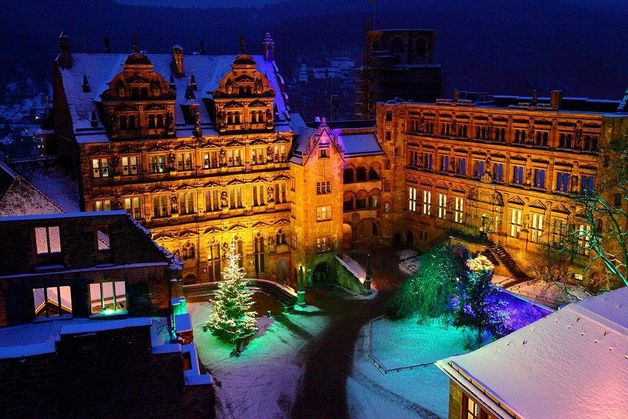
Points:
[(263, 381)]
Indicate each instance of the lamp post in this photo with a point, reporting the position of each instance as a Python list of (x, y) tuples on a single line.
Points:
[(301, 291), (367, 279)]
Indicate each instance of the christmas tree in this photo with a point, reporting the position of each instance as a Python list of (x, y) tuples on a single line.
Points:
[(231, 318)]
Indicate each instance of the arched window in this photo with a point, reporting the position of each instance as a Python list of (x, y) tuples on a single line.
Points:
[(347, 204), (259, 254), (280, 238), (361, 200), (374, 172), (360, 174), (348, 175), (374, 199)]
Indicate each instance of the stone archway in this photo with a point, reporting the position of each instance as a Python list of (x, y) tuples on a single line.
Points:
[(321, 274)]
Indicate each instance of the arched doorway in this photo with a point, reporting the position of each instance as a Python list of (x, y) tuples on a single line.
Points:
[(410, 239), (321, 274), (282, 270)]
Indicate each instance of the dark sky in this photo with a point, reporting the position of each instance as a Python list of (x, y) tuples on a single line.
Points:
[(200, 3)]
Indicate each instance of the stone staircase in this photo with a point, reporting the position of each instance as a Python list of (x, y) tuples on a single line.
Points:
[(518, 276)]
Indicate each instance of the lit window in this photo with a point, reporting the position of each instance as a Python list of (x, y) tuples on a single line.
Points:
[(458, 209), (442, 205), (584, 239), (323, 213), (129, 165), (412, 199), (517, 175), (107, 297), (100, 167), (323, 244), (515, 222), (52, 301), (48, 240), (132, 206), (323, 187), (427, 202), (102, 205), (536, 228)]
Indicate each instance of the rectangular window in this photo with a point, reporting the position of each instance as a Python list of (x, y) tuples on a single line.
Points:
[(133, 207), (478, 169), (515, 222), (427, 160), (560, 230), (427, 202), (129, 165), (498, 172), (473, 409), (444, 164), (562, 182), (281, 196), (186, 203), (323, 244), (293, 240), (323, 187), (212, 200), (100, 168), (258, 155), (517, 175), (536, 228), (160, 206), (157, 164), (388, 136), (102, 238), (52, 301), (210, 159), (587, 184), (539, 178), (323, 213), (258, 195), (412, 199), (584, 239), (48, 240), (102, 205), (107, 297), (235, 197), (413, 158), (184, 161), (458, 209), (323, 153), (234, 157), (442, 206)]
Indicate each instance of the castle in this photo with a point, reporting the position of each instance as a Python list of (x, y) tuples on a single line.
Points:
[(204, 150)]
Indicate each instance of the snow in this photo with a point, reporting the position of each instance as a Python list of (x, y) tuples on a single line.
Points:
[(39, 337), (549, 293), (54, 181), (21, 197), (568, 364), (263, 381), (418, 392), (403, 343), (353, 145), (100, 69)]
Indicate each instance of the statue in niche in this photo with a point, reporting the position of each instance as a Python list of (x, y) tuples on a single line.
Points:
[(270, 190), (454, 126), (197, 122), (115, 123), (574, 183), (169, 121), (220, 117), (269, 116), (223, 157), (578, 135), (117, 204), (171, 160), (529, 177), (224, 199), (258, 86), (531, 133), (229, 87), (174, 204), (452, 165), (270, 153), (489, 130), (421, 126)]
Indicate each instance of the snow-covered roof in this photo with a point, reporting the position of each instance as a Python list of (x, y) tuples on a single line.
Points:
[(20, 197), (208, 70), (54, 181), (40, 337), (571, 363)]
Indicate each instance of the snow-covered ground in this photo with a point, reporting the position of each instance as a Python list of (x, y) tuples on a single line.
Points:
[(264, 380), (420, 392)]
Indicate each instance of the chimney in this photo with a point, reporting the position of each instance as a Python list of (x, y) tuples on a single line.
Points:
[(193, 82), (556, 99), (65, 58), (86, 84), (201, 50), (268, 46), (177, 61), (107, 44), (94, 119)]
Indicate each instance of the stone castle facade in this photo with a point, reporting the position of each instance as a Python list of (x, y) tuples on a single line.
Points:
[(204, 150)]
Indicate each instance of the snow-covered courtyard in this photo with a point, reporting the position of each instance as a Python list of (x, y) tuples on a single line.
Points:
[(264, 380), (418, 392)]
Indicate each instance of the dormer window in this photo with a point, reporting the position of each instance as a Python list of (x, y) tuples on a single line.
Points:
[(48, 240), (323, 153)]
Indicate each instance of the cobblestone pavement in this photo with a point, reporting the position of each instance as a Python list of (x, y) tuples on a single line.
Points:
[(329, 356)]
